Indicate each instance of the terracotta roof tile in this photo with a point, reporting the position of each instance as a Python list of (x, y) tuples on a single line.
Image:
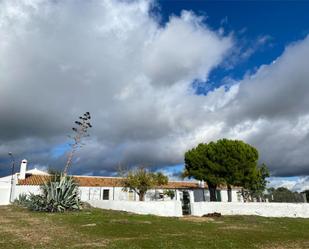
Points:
[(89, 181), (96, 181)]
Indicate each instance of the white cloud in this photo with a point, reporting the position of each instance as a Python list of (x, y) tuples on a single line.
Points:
[(112, 58), (181, 43), (270, 111), (298, 184)]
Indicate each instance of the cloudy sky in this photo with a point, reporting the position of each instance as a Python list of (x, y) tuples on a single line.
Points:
[(158, 77)]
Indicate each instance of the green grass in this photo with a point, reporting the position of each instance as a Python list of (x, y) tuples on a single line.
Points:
[(95, 228)]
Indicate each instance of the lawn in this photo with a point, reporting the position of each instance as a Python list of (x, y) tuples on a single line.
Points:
[(95, 228)]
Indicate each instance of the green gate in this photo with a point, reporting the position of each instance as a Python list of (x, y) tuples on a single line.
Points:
[(185, 200)]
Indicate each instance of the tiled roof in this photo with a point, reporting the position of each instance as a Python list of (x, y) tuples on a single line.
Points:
[(34, 180), (90, 181), (182, 184)]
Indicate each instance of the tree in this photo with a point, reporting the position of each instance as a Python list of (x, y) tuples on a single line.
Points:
[(201, 163), (140, 180), (81, 131), (238, 161), (284, 195), (231, 162), (256, 184)]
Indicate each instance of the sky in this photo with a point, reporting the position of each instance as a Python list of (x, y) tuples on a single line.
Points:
[(158, 77)]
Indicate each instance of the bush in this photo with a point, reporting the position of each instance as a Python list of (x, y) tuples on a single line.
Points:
[(170, 193), (37, 203), (58, 195), (22, 200)]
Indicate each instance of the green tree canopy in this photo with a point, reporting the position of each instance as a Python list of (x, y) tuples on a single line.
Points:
[(140, 180), (231, 162), (202, 163), (239, 161), (255, 185)]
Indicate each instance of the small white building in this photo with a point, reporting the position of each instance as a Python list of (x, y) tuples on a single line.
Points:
[(108, 188), (8, 184)]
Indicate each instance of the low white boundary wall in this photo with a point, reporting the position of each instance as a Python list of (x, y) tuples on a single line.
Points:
[(4, 195), (161, 208), (255, 208)]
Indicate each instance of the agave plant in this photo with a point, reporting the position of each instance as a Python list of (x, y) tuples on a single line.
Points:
[(61, 195), (22, 200), (58, 195), (36, 202)]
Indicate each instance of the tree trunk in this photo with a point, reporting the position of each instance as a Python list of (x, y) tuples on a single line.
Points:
[(212, 190), (245, 195), (229, 193), (141, 196)]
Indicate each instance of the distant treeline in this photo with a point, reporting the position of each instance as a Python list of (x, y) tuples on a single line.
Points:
[(285, 195)]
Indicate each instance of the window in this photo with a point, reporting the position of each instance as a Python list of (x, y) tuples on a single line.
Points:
[(198, 195), (106, 194)]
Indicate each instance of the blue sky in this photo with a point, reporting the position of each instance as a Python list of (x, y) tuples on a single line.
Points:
[(279, 22)]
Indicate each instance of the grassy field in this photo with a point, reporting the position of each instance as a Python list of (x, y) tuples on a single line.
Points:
[(95, 228)]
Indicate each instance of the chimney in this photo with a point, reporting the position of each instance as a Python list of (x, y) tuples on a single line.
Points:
[(23, 168)]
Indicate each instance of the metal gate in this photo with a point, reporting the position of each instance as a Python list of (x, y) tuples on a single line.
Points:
[(185, 200)]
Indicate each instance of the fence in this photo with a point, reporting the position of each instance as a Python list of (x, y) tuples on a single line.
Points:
[(252, 208), (161, 208)]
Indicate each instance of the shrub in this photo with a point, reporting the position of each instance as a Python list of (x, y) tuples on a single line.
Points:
[(170, 193), (22, 200), (58, 195), (37, 203)]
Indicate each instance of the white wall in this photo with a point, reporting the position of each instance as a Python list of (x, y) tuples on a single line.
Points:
[(96, 193), (86, 193), (161, 208), (5, 188), (5, 181), (4, 195), (117, 194), (25, 189), (255, 208)]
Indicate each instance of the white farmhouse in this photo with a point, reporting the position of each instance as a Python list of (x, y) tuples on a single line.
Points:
[(100, 188), (191, 197)]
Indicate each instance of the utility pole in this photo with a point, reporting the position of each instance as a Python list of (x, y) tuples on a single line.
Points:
[(12, 174)]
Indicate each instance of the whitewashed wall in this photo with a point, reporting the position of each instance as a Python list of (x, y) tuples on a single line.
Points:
[(4, 195), (117, 194), (161, 208), (25, 189), (86, 193), (255, 208), (5, 181), (5, 188), (96, 193)]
